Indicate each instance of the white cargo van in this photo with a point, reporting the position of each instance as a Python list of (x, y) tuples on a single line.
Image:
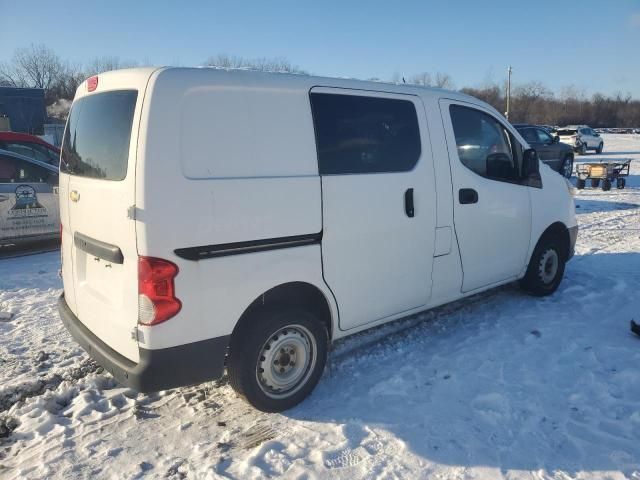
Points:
[(218, 219)]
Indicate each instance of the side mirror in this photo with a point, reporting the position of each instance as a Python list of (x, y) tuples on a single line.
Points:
[(530, 163)]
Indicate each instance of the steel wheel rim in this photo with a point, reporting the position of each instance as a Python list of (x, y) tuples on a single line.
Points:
[(548, 267), (286, 361)]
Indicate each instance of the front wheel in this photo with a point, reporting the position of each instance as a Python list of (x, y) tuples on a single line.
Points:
[(567, 167), (600, 148), (580, 183), (277, 357), (606, 184), (546, 268)]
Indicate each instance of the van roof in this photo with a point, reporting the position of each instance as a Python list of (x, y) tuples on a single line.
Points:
[(293, 80)]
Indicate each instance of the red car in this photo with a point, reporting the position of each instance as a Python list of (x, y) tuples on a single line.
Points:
[(30, 146)]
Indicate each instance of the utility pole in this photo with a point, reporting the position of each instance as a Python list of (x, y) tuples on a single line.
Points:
[(509, 70)]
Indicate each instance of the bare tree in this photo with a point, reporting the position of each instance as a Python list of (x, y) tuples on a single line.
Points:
[(440, 80), (423, 78), (278, 64), (444, 80), (107, 64), (36, 66)]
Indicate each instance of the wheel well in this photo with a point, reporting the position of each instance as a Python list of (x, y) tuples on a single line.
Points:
[(559, 231), (293, 294)]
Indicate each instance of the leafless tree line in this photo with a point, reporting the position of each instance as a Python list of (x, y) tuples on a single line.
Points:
[(278, 64), (534, 103), (40, 67)]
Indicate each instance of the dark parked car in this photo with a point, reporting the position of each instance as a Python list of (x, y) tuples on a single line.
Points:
[(559, 156)]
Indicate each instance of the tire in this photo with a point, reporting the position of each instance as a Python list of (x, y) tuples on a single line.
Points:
[(580, 183), (288, 337), (582, 149), (600, 148), (620, 183), (595, 182), (606, 184), (566, 170), (546, 267)]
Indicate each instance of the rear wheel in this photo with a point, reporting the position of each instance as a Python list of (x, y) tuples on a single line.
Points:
[(606, 184), (580, 183), (582, 149), (567, 167), (600, 148), (277, 357), (546, 268), (620, 183), (595, 182)]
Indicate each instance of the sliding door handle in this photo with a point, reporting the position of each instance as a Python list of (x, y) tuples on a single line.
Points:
[(408, 203), (467, 196)]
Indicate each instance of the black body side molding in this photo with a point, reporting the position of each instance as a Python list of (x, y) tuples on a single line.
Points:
[(103, 250), (237, 248)]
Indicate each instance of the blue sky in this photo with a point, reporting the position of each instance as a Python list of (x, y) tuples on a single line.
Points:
[(592, 44)]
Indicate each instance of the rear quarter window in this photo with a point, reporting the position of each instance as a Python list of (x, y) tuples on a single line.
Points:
[(98, 134)]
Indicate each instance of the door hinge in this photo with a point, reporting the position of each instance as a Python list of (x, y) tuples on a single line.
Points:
[(131, 212), (137, 335)]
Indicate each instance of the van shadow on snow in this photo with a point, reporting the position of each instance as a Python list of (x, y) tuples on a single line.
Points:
[(516, 382), (590, 206), (606, 153)]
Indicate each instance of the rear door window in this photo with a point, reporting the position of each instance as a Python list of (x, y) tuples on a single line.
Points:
[(566, 133), (365, 134), (98, 133)]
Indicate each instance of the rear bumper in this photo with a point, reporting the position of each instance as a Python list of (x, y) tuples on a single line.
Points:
[(157, 370), (573, 236)]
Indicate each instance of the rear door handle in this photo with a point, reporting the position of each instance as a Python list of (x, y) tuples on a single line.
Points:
[(408, 203), (467, 195)]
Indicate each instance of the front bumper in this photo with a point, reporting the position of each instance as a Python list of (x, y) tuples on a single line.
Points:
[(573, 236), (156, 370)]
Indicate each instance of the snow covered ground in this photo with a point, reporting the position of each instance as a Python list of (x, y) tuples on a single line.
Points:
[(501, 385)]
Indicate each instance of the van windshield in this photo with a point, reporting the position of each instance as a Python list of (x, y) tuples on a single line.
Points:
[(96, 140)]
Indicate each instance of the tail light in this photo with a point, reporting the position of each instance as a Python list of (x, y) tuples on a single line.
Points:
[(157, 301), (92, 83)]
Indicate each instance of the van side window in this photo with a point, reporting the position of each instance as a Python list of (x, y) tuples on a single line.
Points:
[(484, 145), (360, 134)]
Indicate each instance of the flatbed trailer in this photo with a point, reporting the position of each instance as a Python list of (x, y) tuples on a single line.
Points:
[(603, 171)]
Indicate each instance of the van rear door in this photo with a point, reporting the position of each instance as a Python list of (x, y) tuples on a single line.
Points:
[(99, 158)]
